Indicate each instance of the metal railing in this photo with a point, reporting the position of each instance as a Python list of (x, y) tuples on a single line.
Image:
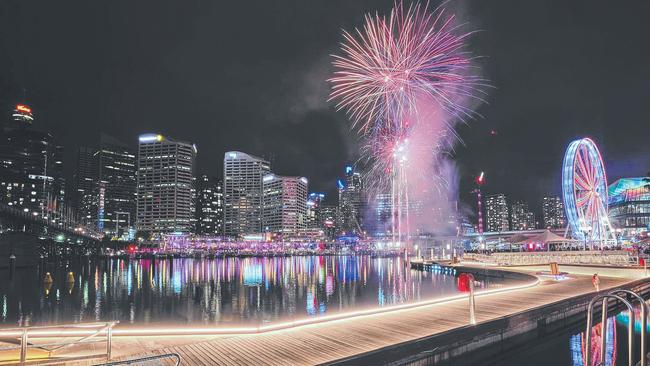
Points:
[(615, 294), (175, 357), (609, 258), (73, 334)]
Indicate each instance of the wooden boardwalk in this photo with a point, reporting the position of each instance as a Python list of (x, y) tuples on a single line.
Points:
[(333, 340)]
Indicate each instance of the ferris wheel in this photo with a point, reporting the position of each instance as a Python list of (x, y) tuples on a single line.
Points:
[(584, 189)]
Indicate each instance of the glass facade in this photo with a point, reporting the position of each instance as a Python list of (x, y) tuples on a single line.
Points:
[(629, 204)]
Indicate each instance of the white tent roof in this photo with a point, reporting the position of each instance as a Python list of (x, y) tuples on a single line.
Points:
[(547, 237)]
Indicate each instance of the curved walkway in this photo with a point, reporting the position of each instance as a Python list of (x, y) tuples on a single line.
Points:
[(338, 339)]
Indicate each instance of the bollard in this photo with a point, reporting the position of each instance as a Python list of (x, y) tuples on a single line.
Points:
[(23, 347), (12, 266), (466, 284), (472, 302)]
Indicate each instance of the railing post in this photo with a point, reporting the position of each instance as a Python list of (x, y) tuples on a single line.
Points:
[(644, 322), (109, 341), (603, 332), (23, 346)]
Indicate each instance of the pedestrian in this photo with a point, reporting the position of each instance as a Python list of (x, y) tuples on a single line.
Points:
[(596, 281)]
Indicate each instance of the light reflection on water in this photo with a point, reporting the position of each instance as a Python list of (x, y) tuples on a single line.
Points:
[(226, 291)]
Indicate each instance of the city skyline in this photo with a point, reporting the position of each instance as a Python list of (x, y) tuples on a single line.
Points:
[(127, 100)]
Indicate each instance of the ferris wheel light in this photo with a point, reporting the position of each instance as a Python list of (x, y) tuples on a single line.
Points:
[(584, 190)]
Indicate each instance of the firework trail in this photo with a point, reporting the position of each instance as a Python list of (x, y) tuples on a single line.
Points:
[(404, 81)]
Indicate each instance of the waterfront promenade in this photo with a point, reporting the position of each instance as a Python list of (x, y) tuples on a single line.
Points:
[(348, 339)]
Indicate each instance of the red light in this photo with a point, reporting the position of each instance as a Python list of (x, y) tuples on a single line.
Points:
[(480, 179), (132, 248), (23, 108)]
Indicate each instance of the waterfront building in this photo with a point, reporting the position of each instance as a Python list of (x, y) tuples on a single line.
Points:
[(553, 212), (284, 204), (329, 214), (521, 218), (629, 205), (242, 192), (83, 180), (116, 187), (209, 206), (383, 212), (314, 204), (351, 202), (496, 213), (164, 184), (105, 187), (31, 167)]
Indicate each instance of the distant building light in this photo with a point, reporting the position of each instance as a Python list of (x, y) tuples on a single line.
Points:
[(151, 138), (304, 180), (23, 108), (268, 178)]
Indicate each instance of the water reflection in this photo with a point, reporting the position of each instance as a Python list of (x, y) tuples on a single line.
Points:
[(214, 291), (577, 345)]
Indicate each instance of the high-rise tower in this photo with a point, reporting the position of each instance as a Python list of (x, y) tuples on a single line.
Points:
[(164, 184), (242, 192)]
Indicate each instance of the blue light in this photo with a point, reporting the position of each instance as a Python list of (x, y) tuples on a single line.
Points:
[(340, 184), (348, 169)]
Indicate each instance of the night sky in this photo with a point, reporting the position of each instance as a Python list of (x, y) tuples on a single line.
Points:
[(251, 76)]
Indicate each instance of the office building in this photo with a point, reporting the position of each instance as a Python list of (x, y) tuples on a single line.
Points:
[(284, 204), (315, 202), (115, 189), (83, 184), (31, 167), (209, 206), (164, 184), (521, 218), (351, 202), (496, 213), (328, 214), (553, 212), (242, 192)]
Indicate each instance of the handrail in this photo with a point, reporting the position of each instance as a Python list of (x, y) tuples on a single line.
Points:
[(24, 333), (644, 322), (145, 359), (614, 294), (590, 320)]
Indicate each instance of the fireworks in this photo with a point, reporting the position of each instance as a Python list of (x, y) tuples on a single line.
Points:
[(404, 80), (394, 64)]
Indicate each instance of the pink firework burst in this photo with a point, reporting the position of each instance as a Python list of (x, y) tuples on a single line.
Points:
[(393, 63)]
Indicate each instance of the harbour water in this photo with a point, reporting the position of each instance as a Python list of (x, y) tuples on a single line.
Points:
[(214, 292)]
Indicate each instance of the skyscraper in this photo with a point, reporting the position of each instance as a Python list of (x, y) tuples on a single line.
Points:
[(521, 217), (351, 201), (116, 186), (209, 206), (242, 192), (84, 180), (496, 212), (31, 166), (164, 184), (314, 204), (284, 204), (553, 212), (329, 214)]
